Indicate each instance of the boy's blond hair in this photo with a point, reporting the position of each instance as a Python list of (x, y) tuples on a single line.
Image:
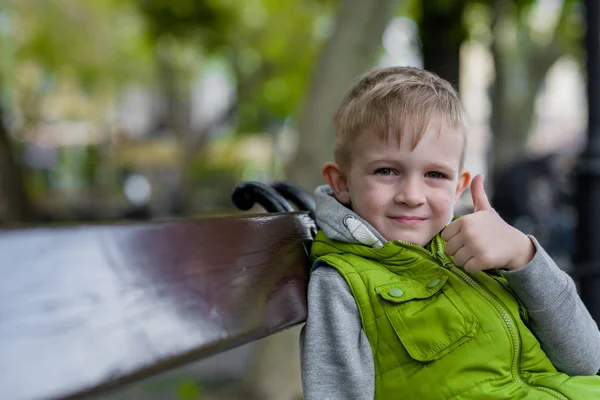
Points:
[(389, 102)]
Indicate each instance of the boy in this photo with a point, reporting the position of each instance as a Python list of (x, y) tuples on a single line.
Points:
[(405, 304)]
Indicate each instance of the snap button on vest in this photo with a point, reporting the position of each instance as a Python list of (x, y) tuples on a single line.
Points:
[(434, 283), (396, 292)]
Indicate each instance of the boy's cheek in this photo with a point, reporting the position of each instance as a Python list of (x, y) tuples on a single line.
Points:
[(449, 205), (370, 192)]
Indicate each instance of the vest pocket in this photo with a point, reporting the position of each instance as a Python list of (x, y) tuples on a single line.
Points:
[(430, 318)]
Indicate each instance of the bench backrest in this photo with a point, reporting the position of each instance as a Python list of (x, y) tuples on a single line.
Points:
[(86, 308)]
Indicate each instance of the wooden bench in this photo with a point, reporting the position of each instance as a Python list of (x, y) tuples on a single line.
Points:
[(88, 308)]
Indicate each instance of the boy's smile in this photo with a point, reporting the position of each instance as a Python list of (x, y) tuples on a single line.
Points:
[(406, 194), (408, 220)]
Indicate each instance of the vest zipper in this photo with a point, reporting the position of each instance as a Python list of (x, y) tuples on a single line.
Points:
[(504, 313), (420, 249), (508, 321)]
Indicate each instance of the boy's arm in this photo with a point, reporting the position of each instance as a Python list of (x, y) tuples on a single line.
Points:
[(558, 317), (337, 361)]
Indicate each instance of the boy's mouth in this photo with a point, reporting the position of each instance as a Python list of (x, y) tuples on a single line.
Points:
[(406, 220)]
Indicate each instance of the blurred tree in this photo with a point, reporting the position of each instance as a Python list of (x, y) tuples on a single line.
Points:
[(350, 50), (18, 205), (268, 46), (442, 32), (523, 53), (12, 185), (93, 43), (525, 38), (96, 41)]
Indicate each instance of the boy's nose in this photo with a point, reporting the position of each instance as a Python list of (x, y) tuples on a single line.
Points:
[(410, 193)]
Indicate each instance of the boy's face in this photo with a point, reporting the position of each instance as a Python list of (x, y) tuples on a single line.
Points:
[(405, 194)]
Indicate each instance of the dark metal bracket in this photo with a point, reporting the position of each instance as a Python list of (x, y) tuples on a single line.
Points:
[(301, 199), (274, 198), (247, 194)]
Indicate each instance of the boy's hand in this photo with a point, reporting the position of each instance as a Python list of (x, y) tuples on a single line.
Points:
[(482, 240)]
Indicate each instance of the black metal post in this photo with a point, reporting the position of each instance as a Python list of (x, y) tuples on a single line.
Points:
[(588, 174)]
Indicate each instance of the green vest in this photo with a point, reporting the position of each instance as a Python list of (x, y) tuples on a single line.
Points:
[(437, 332)]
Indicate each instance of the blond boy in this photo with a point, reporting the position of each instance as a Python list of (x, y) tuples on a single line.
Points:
[(400, 296)]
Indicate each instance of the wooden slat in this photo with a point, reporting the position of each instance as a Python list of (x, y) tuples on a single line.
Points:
[(87, 308)]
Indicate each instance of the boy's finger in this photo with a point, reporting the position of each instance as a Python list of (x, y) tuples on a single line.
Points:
[(462, 256), (451, 230), (471, 265), (480, 199), (454, 244)]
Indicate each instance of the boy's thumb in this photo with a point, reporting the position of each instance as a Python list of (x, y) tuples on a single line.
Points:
[(480, 199)]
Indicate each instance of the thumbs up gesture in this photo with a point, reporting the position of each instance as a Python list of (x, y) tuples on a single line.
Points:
[(483, 240)]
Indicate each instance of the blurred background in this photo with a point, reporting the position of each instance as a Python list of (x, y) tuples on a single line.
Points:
[(143, 109)]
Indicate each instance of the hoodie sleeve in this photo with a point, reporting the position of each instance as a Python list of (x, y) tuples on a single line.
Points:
[(337, 361), (558, 317)]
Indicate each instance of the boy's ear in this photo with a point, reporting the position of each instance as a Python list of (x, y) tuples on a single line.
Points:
[(337, 181), (464, 179)]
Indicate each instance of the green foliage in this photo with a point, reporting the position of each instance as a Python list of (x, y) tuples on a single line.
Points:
[(567, 34), (95, 41), (208, 20), (274, 59), (270, 46), (519, 4), (7, 54)]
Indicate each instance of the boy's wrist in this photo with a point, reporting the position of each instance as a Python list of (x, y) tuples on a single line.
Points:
[(524, 254)]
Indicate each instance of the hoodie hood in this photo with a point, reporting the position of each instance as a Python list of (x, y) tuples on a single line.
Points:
[(338, 222)]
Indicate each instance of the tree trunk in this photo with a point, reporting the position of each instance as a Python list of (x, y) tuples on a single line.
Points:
[(514, 92), (12, 183), (350, 50), (520, 67), (442, 33), (177, 122)]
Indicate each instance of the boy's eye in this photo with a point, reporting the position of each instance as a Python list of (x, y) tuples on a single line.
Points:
[(436, 175), (384, 171)]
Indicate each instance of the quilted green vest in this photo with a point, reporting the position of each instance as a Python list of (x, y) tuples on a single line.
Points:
[(437, 332)]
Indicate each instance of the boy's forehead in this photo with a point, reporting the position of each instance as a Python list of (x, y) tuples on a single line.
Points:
[(435, 144), (434, 135)]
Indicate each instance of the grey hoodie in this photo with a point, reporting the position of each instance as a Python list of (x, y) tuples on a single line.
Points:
[(337, 361)]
